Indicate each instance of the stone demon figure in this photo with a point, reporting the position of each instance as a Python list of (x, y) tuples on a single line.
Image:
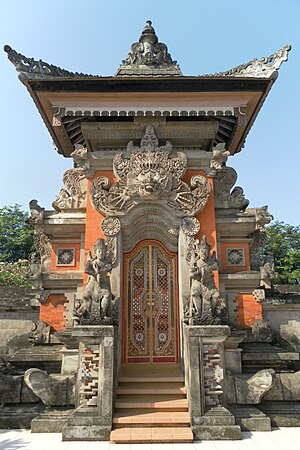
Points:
[(95, 307), (206, 307)]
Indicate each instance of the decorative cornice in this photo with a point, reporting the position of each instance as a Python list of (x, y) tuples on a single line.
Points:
[(258, 68), (37, 68)]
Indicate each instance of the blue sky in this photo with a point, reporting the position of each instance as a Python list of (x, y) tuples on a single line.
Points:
[(93, 36)]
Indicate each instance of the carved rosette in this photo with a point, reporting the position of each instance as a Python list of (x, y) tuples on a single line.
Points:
[(150, 173), (111, 226), (190, 226)]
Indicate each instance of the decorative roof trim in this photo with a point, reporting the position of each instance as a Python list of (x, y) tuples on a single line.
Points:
[(37, 68), (208, 111), (258, 68)]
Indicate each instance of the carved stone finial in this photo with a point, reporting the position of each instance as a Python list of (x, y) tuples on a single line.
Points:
[(148, 57)]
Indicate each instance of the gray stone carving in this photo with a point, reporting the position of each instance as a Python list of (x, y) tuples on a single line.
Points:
[(260, 68), (219, 158), (256, 248), (149, 53), (40, 333), (36, 213), (249, 390), (267, 270), (286, 387), (34, 274), (146, 174), (206, 306), (44, 247), (41, 242), (96, 304), (53, 390), (224, 181), (73, 195), (37, 68)]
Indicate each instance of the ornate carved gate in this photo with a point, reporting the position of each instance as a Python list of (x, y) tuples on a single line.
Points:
[(150, 332)]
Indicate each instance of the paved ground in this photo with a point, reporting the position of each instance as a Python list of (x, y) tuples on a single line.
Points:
[(283, 438)]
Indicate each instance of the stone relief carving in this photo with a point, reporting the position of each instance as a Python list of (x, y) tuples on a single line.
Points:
[(223, 182), (260, 68), (219, 158), (74, 194), (148, 173), (37, 68), (267, 270), (41, 241), (34, 274), (206, 307), (262, 216), (95, 308), (256, 248), (81, 160), (36, 213), (40, 333)]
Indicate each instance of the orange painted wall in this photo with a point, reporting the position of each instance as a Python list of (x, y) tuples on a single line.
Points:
[(53, 310), (206, 217), (248, 310), (225, 267), (54, 267), (94, 218)]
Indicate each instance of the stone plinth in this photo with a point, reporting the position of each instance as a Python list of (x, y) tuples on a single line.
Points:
[(92, 419), (204, 373)]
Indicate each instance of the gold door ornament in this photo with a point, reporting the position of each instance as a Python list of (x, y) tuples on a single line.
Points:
[(150, 306)]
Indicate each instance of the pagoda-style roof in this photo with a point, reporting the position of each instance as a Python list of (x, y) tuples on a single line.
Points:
[(144, 85)]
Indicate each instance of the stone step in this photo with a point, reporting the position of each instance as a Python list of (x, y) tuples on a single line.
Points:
[(154, 402), (151, 419), (151, 379), (149, 389), (250, 418), (151, 434)]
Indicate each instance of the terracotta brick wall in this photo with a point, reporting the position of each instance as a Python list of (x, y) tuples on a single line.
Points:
[(248, 310), (53, 310)]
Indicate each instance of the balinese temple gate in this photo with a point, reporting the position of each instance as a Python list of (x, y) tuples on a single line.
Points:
[(149, 267)]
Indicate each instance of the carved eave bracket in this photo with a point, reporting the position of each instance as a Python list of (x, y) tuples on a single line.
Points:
[(37, 69), (73, 195), (265, 67), (148, 57), (149, 174)]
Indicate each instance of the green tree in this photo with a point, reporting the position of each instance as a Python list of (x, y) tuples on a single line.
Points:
[(16, 237), (283, 240)]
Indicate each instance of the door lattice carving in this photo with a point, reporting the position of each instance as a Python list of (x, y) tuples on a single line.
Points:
[(150, 307)]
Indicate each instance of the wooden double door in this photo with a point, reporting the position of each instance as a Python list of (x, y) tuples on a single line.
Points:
[(150, 308)]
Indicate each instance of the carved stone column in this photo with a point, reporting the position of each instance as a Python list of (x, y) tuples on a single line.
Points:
[(204, 374), (92, 419)]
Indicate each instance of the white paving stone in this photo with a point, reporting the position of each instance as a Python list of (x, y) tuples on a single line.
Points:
[(277, 439)]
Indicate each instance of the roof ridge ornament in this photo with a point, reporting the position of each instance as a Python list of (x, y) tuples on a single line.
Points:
[(258, 68), (38, 68), (148, 57)]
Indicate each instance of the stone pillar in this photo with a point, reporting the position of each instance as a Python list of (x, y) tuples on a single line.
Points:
[(204, 373), (92, 419)]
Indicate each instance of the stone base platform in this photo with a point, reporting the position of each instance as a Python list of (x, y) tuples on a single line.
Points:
[(282, 414), (250, 418), (19, 416), (51, 421), (217, 423)]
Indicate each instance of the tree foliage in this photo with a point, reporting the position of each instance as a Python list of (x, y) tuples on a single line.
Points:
[(14, 274), (16, 237), (283, 240)]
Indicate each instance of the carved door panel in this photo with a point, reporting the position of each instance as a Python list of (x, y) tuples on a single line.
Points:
[(150, 332)]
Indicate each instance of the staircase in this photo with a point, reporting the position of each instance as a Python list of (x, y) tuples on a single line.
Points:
[(151, 405)]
